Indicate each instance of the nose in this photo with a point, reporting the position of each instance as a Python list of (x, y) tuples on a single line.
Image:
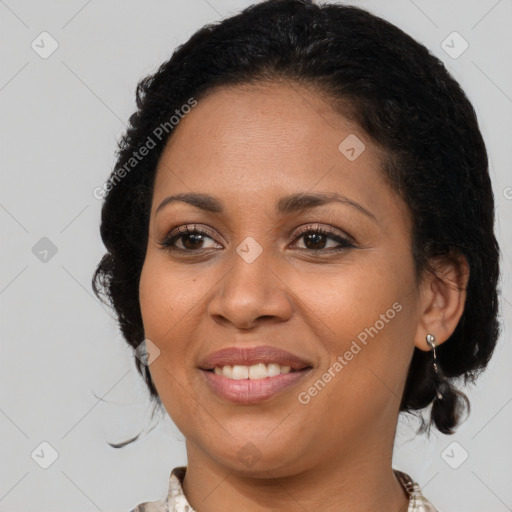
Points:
[(251, 292)]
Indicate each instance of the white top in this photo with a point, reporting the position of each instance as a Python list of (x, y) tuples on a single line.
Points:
[(177, 502)]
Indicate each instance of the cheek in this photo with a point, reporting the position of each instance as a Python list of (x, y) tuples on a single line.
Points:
[(354, 296), (364, 315), (166, 302), (172, 302), (167, 297)]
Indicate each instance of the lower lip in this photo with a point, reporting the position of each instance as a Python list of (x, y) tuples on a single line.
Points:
[(247, 391)]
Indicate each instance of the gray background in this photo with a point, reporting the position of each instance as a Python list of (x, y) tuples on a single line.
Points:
[(66, 376)]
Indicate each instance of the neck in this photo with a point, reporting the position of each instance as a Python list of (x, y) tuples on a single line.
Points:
[(359, 480)]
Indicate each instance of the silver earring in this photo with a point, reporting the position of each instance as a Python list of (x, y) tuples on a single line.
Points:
[(431, 341)]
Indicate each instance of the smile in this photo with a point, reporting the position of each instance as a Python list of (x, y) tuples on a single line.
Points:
[(254, 372), (246, 390)]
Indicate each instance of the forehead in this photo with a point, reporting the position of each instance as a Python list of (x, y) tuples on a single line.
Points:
[(262, 121), (267, 140)]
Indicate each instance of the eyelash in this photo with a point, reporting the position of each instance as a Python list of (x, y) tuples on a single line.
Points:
[(167, 243)]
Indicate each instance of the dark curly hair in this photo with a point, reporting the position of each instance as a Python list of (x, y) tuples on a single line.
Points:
[(399, 94)]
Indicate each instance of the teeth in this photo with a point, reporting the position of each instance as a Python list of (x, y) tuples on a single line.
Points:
[(275, 369), (240, 372), (254, 372)]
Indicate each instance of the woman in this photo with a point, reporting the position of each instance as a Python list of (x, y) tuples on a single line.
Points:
[(300, 246)]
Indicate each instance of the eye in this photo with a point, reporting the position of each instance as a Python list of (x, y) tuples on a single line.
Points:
[(316, 237), (190, 239)]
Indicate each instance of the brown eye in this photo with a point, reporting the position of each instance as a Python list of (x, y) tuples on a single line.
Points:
[(191, 240), (316, 239)]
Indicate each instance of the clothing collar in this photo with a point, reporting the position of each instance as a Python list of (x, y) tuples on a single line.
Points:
[(177, 502)]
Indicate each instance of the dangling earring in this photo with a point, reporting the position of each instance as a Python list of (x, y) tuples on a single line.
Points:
[(431, 341)]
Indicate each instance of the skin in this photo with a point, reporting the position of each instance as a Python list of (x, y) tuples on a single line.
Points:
[(249, 146)]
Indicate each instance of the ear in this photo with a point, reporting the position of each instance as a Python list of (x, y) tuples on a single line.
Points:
[(442, 298)]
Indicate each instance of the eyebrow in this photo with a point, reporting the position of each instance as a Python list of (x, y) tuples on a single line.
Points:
[(286, 205)]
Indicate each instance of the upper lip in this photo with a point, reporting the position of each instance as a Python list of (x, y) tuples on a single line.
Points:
[(246, 356)]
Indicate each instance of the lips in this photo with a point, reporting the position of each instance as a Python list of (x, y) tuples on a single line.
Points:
[(245, 356)]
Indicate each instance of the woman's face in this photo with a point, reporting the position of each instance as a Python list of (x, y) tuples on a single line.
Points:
[(260, 274)]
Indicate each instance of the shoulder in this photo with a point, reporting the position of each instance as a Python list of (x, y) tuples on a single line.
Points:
[(173, 501), (150, 506), (417, 501)]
